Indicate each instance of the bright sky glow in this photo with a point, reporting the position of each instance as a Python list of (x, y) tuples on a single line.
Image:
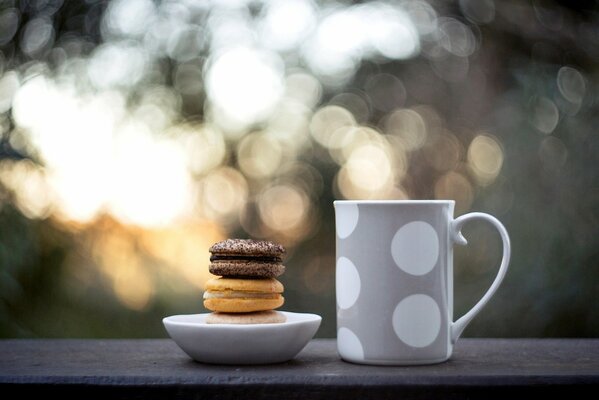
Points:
[(245, 84), (140, 164), (287, 22), (96, 160)]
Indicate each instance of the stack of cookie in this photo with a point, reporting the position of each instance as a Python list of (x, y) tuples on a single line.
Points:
[(247, 291)]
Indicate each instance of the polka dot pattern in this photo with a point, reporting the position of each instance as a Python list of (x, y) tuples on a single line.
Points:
[(391, 298), (349, 345), (348, 283), (347, 220), (417, 320), (415, 248)]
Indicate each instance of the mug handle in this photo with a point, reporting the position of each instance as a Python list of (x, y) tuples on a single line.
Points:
[(458, 326)]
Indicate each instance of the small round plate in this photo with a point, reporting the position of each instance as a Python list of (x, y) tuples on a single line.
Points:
[(242, 344)]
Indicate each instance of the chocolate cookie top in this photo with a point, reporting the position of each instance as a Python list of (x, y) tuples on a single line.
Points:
[(247, 247), (246, 258)]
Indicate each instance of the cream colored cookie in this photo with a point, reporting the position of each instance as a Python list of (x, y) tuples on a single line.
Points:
[(270, 285), (243, 305), (258, 317)]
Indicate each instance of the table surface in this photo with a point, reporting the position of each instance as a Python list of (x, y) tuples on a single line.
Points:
[(479, 368)]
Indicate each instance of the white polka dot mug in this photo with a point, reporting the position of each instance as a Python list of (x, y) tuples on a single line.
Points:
[(394, 280)]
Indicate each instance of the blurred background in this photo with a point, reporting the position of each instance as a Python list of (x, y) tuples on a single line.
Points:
[(136, 133)]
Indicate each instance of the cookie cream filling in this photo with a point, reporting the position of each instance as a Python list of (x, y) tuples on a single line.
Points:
[(231, 294), (247, 258)]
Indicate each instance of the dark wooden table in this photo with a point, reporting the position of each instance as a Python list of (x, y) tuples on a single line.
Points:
[(479, 368)]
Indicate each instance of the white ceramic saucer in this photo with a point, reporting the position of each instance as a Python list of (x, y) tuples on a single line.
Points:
[(242, 344)]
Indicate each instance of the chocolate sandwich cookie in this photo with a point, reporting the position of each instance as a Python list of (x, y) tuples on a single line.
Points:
[(247, 258)]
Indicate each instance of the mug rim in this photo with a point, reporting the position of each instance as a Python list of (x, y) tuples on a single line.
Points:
[(335, 202)]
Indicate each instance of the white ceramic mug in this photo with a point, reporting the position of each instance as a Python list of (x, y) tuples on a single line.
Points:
[(394, 280)]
